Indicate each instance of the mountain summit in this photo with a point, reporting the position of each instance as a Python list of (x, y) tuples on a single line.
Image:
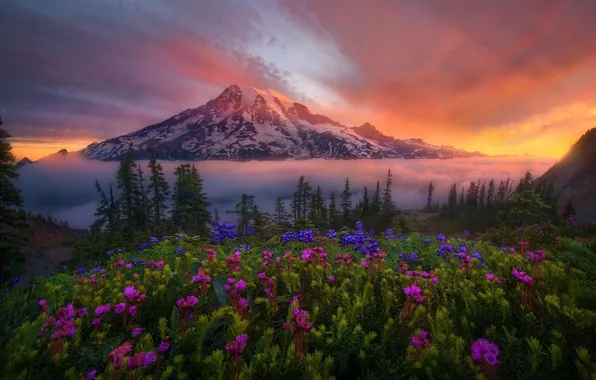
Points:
[(244, 123)]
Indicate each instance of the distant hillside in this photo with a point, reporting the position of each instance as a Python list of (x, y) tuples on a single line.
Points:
[(574, 177), (45, 231)]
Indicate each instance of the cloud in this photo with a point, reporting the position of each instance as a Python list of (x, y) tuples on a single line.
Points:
[(99, 69), (454, 72), (64, 186), (461, 65)]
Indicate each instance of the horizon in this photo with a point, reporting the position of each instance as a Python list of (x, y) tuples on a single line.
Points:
[(78, 72)]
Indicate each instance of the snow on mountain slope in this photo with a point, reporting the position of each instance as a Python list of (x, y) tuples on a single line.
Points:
[(244, 123)]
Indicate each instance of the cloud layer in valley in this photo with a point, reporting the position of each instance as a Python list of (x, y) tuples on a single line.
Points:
[(496, 76), (64, 186)]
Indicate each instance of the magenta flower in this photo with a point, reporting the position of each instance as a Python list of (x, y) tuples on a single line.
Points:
[(91, 375), (236, 346), (149, 358), (102, 309), (240, 285), (163, 347), (131, 293), (490, 276), (119, 308), (132, 310), (44, 305), (421, 340), (435, 280), (96, 321), (136, 332), (363, 264), (331, 278), (484, 351), (242, 303)]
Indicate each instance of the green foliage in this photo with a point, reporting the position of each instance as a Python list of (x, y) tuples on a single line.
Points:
[(362, 321)]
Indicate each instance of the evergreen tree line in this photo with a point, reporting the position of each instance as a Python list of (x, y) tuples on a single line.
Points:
[(147, 205), (506, 202)]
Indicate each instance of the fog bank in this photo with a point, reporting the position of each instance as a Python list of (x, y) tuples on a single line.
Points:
[(64, 186)]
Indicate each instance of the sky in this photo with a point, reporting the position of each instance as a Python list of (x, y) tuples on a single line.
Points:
[(501, 77)]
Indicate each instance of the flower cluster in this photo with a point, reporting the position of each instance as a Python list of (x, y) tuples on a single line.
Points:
[(522, 277), (233, 262), (270, 289), (235, 348), (409, 257), (222, 231), (203, 280), (239, 304), (249, 230), (485, 354), (63, 324), (300, 327), (303, 236), (421, 340)]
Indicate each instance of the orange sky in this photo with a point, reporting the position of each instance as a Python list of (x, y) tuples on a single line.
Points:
[(501, 77)]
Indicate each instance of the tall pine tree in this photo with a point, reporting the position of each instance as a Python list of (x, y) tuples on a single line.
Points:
[(346, 204), (159, 192), (130, 197), (12, 222), (190, 211)]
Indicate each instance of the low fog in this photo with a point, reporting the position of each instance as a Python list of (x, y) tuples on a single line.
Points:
[(64, 186)]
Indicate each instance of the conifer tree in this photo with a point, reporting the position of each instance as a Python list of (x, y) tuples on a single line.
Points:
[(142, 203), (346, 204), (300, 202), (490, 194), (429, 198), (201, 214), (333, 216), (375, 204), (190, 210), (462, 198), (280, 215), (452, 200), (128, 184), (159, 192), (246, 211), (388, 207), (216, 214), (12, 224), (365, 204), (106, 213), (482, 197)]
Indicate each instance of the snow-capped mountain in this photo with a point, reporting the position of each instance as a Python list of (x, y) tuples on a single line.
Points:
[(245, 124)]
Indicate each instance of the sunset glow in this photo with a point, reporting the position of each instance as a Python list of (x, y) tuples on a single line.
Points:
[(515, 78)]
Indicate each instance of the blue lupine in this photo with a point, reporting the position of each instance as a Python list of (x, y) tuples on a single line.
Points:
[(109, 253), (154, 240), (249, 230), (441, 237), (331, 234), (222, 231)]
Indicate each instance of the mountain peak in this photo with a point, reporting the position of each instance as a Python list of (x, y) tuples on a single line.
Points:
[(23, 162), (247, 123)]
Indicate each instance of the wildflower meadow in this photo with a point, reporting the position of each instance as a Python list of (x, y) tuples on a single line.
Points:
[(350, 304)]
